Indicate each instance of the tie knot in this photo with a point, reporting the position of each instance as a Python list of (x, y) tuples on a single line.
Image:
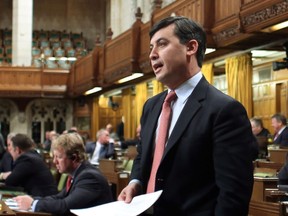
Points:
[(171, 96)]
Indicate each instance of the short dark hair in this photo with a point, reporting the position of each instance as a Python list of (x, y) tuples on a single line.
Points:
[(280, 118), (22, 141), (186, 30)]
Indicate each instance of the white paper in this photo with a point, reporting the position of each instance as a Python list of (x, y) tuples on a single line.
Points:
[(12, 204), (119, 208)]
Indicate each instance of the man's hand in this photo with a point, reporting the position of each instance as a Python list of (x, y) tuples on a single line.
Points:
[(129, 192), (24, 202)]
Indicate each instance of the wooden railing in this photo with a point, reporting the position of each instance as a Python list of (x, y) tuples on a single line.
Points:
[(229, 27), (32, 82)]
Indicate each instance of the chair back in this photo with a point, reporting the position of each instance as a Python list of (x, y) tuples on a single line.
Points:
[(62, 181)]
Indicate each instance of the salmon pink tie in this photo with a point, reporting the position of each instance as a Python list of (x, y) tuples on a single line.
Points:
[(161, 140)]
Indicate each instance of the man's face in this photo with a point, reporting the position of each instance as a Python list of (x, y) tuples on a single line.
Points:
[(104, 138), (9, 145), (168, 57), (255, 129), (14, 151), (276, 124), (62, 162)]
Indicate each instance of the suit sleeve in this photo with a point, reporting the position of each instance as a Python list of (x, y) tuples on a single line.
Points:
[(20, 172), (83, 193), (233, 143), (284, 138)]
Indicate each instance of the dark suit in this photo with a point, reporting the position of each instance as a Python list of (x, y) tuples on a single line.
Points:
[(282, 139), (106, 151), (6, 162), (207, 166), (30, 172), (89, 188), (90, 147)]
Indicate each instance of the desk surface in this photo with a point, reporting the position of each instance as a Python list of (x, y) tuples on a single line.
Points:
[(266, 179), (5, 210)]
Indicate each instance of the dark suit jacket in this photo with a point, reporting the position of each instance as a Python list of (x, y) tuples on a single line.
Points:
[(207, 166), (90, 147), (6, 162), (283, 175), (30, 172), (282, 139), (106, 151), (89, 188)]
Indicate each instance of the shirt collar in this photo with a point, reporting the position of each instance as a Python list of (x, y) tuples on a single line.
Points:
[(185, 89)]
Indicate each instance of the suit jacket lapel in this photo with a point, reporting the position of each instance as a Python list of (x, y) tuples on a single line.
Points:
[(189, 111)]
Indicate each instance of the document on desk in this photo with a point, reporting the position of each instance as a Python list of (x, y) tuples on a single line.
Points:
[(119, 208)]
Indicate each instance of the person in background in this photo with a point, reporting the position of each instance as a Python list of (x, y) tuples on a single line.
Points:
[(102, 148), (258, 128), (261, 135), (7, 160), (29, 169), (206, 167), (2, 145), (279, 123), (132, 142), (113, 136), (120, 129), (86, 187), (47, 143)]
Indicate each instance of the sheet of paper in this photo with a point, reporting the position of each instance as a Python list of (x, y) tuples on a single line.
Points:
[(119, 208), (12, 204)]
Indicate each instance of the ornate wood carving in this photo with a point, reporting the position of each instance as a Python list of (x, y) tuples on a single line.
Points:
[(258, 15), (264, 14), (226, 34)]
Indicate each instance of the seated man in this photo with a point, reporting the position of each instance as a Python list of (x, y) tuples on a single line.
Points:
[(29, 169), (88, 186), (279, 123), (132, 142), (102, 149), (261, 134)]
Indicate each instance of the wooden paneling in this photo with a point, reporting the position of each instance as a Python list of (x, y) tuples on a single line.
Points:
[(144, 61), (85, 74), (264, 102), (32, 82), (260, 208), (117, 57), (226, 8)]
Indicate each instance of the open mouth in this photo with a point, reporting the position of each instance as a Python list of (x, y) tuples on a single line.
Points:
[(157, 67)]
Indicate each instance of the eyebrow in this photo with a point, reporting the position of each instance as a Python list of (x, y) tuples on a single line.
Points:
[(158, 40)]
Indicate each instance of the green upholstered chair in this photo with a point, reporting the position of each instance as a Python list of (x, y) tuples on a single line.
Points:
[(62, 181)]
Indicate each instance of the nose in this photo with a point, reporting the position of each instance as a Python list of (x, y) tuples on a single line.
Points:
[(153, 54), (54, 160)]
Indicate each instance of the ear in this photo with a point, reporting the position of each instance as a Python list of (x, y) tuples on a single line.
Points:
[(73, 157), (18, 150), (192, 47)]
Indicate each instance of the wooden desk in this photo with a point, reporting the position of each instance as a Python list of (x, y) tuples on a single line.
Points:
[(5, 210), (260, 184), (278, 155), (114, 174), (260, 208)]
